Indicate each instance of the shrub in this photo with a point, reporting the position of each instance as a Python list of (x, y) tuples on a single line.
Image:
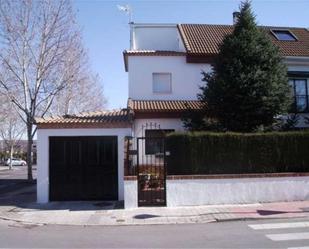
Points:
[(237, 153)]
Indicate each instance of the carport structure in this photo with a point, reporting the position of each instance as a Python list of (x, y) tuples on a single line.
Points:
[(81, 157)]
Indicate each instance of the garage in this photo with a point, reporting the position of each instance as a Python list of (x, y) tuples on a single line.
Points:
[(83, 168), (81, 157)]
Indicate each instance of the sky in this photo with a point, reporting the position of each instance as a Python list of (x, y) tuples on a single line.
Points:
[(106, 32)]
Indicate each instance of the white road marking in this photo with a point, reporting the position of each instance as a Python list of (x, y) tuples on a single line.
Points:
[(288, 236), (279, 225), (301, 247)]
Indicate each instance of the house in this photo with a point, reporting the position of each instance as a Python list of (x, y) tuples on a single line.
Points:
[(81, 157)]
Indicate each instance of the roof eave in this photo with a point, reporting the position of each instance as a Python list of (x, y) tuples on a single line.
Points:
[(80, 125)]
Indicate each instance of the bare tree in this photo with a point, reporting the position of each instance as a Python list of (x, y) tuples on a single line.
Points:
[(82, 95), (11, 127), (40, 47)]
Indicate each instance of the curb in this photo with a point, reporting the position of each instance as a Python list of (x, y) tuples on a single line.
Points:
[(215, 220), (258, 218), (115, 224)]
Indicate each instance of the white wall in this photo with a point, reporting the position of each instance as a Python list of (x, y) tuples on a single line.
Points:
[(43, 155), (186, 77), (140, 125), (231, 191), (130, 194), (156, 37)]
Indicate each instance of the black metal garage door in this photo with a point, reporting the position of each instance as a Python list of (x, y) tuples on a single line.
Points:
[(83, 168)]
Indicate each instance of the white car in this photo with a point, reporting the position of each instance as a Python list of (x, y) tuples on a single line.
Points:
[(16, 162)]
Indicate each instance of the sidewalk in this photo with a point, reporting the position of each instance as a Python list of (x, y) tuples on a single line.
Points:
[(102, 213)]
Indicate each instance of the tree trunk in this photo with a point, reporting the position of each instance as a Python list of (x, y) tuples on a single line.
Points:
[(29, 151), (11, 156)]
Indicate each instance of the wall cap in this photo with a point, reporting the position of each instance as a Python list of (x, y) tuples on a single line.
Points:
[(233, 176)]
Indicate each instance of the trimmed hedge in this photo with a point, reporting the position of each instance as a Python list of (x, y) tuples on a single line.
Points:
[(237, 153)]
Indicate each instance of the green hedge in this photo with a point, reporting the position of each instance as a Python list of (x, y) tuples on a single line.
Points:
[(236, 153)]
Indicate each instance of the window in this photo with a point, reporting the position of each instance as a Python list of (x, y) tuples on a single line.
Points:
[(162, 83), (154, 142), (300, 92), (284, 35)]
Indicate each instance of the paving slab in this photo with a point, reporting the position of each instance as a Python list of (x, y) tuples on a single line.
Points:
[(92, 213)]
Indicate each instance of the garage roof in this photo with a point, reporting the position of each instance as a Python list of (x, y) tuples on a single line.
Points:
[(99, 119)]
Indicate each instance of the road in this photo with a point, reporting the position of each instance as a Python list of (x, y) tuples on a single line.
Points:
[(18, 172), (14, 181), (293, 234)]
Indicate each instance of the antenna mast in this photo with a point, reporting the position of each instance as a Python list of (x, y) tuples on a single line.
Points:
[(128, 10)]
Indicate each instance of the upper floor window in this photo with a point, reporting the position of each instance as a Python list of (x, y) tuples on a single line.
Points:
[(284, 35), (162, 82), (300, 92)]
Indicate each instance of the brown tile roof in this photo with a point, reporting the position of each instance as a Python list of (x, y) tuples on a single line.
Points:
[(115, 118), (170, 106), (204, 39)]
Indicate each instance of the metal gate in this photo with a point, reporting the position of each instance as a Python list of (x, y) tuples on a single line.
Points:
[(151, 171)]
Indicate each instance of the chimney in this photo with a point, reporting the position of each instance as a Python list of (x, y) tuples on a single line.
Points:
[(235, 17)]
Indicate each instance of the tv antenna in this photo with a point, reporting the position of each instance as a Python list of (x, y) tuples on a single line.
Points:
[(128, 10)]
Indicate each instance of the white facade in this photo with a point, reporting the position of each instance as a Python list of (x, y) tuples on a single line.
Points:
[(186, 77), (163, 37), (43, 155)]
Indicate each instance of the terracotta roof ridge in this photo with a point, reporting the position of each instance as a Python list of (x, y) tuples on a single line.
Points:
[(208, 24), (136, 51), (231, 25), (98, 112), (154, 100)]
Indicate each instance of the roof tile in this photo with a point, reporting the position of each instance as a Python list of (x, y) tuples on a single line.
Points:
[(139, 106), (114, 116), (204, 39)]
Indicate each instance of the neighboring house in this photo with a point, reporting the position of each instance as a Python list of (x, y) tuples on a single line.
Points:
[(81, 157)]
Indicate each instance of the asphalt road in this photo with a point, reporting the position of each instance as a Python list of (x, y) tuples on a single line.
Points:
[(14, 186), (293, 234), (17, 173)]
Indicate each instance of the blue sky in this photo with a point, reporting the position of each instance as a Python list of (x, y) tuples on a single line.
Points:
[(106, 32)]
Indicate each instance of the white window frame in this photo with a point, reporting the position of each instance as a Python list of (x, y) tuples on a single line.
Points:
[(161, 92)]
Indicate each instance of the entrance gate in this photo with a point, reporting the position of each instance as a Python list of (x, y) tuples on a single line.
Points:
[(151, 171)]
